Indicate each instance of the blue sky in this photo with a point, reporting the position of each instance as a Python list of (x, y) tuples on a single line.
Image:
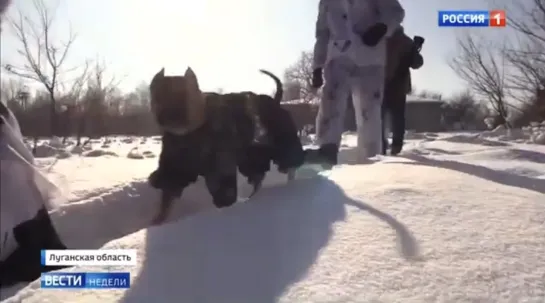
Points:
[(225, 41)]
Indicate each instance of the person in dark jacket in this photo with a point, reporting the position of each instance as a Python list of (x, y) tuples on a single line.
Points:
[(403, 54)]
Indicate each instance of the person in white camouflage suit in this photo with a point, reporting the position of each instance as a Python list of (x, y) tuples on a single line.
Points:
[(350, 55), (26, 196)]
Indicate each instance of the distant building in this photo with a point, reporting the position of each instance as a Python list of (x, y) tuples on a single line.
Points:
[(423, 114), (303, 112)]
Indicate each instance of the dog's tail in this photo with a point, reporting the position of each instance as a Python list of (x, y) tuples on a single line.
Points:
[(279, 89)]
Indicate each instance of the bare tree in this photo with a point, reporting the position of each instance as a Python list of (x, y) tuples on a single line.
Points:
[(8, 90), (78, 83), (15, 94), (527, 55), (143, 96), (73, 102), (427, 94), (292, 91), (483, 67), (300, 73), (43, 57), (95, 103), (465, 111), (116, 102)]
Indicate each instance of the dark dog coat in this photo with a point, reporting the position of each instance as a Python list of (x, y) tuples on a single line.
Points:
[(242, 132)]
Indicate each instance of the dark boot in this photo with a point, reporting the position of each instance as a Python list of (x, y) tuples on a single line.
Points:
[(396, 149), (326, 155)]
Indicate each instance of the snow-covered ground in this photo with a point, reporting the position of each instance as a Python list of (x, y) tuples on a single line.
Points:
[(458, 217)]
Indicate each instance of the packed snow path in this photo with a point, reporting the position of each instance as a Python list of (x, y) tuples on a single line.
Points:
[(455, 219)]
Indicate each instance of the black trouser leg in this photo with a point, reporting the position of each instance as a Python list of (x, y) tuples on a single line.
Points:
[(384, 114), (397, 110), (24, 264)]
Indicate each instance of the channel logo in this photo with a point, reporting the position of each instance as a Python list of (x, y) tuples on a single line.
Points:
[(85, 280), (495, 18)]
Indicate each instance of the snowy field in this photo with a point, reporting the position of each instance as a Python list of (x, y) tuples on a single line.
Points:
[(458, 217)]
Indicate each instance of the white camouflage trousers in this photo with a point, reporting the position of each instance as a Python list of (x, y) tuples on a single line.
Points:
[(365, 84)]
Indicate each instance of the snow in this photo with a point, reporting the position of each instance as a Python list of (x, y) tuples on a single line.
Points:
[(458, 217)]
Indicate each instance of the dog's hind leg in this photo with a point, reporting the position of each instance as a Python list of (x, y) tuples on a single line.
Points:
[(287, 148), (254, 164), (256, 181)]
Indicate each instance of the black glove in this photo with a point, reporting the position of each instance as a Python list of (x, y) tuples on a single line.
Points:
[(418, 42), (317, 80), (374, 34), (417, 61)]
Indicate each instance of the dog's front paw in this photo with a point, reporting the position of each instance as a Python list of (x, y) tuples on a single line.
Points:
[(153, 179), (159, 219), (290, 160)]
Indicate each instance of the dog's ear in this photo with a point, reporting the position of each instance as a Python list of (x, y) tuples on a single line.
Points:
[(160, 75), (191, 80), (196, 107)]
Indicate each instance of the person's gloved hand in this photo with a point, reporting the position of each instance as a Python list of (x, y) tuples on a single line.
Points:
[(417, 61), (317, 80), (374, 34)]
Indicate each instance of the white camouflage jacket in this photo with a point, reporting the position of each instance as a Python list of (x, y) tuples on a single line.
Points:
[(341, 23), (23, 189)]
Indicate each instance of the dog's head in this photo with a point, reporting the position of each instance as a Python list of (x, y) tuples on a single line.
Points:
[(177, 102)]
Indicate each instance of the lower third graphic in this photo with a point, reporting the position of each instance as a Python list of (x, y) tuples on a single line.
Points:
[(86, 280)]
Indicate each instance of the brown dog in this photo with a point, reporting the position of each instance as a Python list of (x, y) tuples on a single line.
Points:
[(214, 135)]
